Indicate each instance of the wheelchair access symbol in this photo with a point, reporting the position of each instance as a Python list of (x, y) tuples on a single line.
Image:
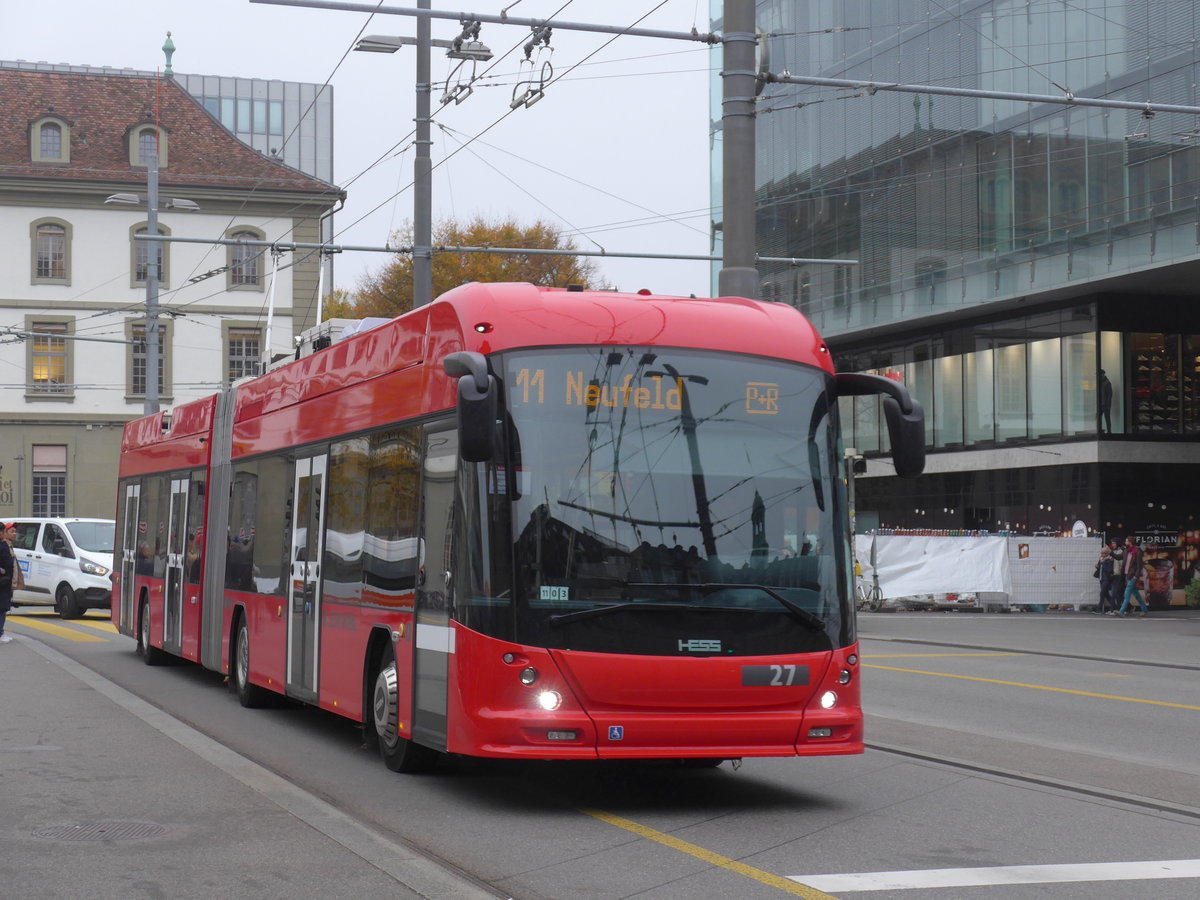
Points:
[(616, 732)]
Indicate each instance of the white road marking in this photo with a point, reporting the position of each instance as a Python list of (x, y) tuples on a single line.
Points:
[(918, 879)]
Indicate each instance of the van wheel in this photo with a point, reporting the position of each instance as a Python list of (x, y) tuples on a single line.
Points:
[(151, 656), (249, 695), (65, 603), (399, 754)]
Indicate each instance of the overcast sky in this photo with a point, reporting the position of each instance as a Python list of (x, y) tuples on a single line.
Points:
[(616, 153)]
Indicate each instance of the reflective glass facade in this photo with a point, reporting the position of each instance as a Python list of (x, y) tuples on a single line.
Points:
[(288, 119), (952, 202), (1025, 269)]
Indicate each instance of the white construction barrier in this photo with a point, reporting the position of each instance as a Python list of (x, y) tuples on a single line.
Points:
[(998, 570)]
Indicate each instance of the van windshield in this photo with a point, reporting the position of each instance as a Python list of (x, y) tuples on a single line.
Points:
[(94, 536)]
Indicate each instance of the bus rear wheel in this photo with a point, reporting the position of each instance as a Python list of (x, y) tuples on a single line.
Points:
[(249, 695), (151, 655), (399, 754)]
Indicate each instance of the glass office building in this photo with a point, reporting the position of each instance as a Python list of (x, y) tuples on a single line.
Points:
[(1009, 252), (290, 120)]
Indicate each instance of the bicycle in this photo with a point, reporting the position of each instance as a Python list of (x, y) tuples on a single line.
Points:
[(868, 597)]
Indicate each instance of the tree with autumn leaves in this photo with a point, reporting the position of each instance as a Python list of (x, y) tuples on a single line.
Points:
[(389, 291)]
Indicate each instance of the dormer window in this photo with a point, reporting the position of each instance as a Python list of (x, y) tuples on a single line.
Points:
[(50, 141), (144, 140)]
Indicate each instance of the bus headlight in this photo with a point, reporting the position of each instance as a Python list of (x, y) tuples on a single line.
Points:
[(549, 700), (828, 700), (528, 675)]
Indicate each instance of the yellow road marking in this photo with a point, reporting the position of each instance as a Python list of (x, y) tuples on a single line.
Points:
[(1038, 687), (98, 622), (50, 628), (104, 625), (786, 885)]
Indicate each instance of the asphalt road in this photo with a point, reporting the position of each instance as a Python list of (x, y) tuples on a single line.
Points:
[(1011, 757)]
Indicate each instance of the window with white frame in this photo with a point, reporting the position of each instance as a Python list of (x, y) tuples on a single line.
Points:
[(51, 239), (137, 368), (50, 141), (142, 251), (144, 141), (245, 261), (147, 146), (243, 353), (49, 358), (49, 480)]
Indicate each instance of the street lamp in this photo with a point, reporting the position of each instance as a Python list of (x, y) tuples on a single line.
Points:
[(459, 48), (150, 406)]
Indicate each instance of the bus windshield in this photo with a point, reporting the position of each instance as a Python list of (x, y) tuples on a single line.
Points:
[(673, 502)]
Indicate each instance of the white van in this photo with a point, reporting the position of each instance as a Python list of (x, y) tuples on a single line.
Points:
[(67, 563)]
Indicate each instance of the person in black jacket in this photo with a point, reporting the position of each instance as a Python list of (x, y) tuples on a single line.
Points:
[(1104, 405), (8, 565), (1118, 580), (1106, 570)]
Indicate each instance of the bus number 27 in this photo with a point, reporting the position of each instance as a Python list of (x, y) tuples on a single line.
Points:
[(779, 675)]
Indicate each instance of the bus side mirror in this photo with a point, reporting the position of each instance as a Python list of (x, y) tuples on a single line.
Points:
[(904, 415), (477, 404)]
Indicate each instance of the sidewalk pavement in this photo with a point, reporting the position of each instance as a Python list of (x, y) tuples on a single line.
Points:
[(1164, 637), (104, 795)]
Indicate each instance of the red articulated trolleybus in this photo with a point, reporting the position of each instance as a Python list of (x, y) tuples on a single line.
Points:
[(521, 522)]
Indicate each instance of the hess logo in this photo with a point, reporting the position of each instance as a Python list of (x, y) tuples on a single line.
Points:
[(695, 645)]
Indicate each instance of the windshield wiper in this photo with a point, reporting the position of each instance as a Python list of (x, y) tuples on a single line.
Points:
[(812, 620), (564, 618)]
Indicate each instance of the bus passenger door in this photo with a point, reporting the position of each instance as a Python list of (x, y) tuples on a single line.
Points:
[(129, 552), (304, 598), (434, 636), (176, 539)]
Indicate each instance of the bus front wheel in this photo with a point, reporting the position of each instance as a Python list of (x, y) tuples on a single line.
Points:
[(399, 754)]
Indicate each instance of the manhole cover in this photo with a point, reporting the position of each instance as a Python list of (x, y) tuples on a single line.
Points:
[(102, 831)]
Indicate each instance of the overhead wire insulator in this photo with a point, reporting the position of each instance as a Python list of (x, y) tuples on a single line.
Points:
[(541, 36)]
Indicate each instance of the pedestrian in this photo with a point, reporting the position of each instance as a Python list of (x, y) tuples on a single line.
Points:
[(1134, 567), (8, 565), (1104, 405), (1118, 580), (1106, 570)]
